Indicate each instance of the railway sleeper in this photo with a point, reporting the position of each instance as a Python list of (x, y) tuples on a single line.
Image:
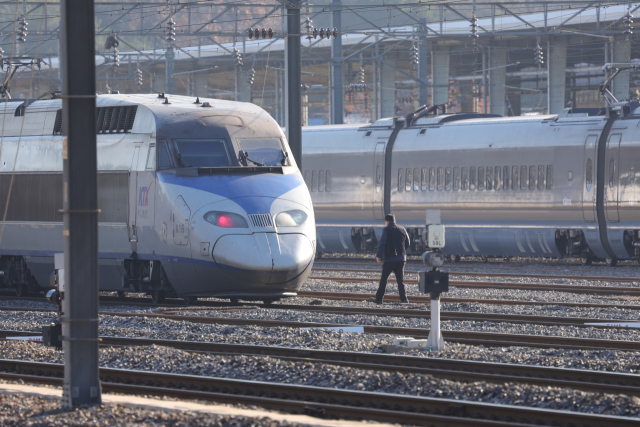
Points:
[(149, 277), (15, 274)]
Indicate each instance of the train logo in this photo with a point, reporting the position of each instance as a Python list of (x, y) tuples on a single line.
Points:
[(143, 196)]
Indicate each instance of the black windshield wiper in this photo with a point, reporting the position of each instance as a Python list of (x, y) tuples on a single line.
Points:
[(245, 156)]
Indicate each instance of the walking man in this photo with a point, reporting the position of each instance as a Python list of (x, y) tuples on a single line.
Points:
[(393, 250)]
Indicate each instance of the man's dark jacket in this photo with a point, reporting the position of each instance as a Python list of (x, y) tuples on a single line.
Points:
[(393, 243)]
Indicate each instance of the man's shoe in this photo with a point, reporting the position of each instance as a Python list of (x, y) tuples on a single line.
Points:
[(372, 299), (404, 302)]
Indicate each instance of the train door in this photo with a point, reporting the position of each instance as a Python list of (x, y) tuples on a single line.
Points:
[(378, 174), (612, 178), (133, 201), (589, 187)]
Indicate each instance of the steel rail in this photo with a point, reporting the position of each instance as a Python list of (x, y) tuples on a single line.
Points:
[(463, 337), (577, 289), (530, 276), (372, 311), (320, 400), (339, 296), (452, 369)]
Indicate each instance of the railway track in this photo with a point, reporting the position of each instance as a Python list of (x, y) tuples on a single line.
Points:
[(462, 337), (529, 276), (318, 401), (451, 369), (577, 289)]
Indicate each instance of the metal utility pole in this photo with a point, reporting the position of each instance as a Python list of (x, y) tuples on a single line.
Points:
[(170, 80), (337, 104), (80, 204), (423, 58), (293, 79)]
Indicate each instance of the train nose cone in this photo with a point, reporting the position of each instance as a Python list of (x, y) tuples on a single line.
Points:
[(263, 258)]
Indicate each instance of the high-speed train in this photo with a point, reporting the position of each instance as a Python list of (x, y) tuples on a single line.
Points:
[(198, 198), (534, 186)]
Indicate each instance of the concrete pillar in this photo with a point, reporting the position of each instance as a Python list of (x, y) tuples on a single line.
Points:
[(201, 83), (497, 79), (387, 90), (621, 53), (440, 73), (557, 71), (423, 62)]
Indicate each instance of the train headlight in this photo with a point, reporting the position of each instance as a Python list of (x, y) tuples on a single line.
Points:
[(226, 219), (293, 218)]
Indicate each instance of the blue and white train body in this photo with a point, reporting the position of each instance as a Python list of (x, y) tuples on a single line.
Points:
[(197, 199)]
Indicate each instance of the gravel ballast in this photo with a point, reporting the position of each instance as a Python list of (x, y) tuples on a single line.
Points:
[(169, 360)]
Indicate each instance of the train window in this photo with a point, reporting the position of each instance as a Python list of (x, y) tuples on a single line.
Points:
[(489, 178), (514, 177), (505, 177), (407, 180), (424, 179), (447, 179), (589, 178), (416, 179), (206, 152), (465, 178), (440, 179), (497, 177), (151, 157), (321, 181), (523, 177), (400, 180), (612, 170), (472, 178), (532, 177), (456, 179), (540, 177), (480, 178), (432, 179), (164, 158), (267, 152), (549, 177), (307, 179), (327, 178), (314, 181)]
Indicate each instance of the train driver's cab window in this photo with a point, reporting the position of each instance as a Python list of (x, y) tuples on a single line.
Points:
[(201, 153), (262, 152), (589, 178), (164, 159), (151, 158)]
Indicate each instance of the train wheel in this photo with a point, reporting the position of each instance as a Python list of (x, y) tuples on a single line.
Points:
[(190, 300), (234, 300), (122, 294), (455, 258), (22, 290), (587, 261), (268, 301), (158, 297), (611, 262)]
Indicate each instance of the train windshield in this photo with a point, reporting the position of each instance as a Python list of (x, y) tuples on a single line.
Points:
[(261, 152), (201, 153)]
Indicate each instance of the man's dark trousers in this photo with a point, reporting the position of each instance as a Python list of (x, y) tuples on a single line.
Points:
[(398, 269)]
